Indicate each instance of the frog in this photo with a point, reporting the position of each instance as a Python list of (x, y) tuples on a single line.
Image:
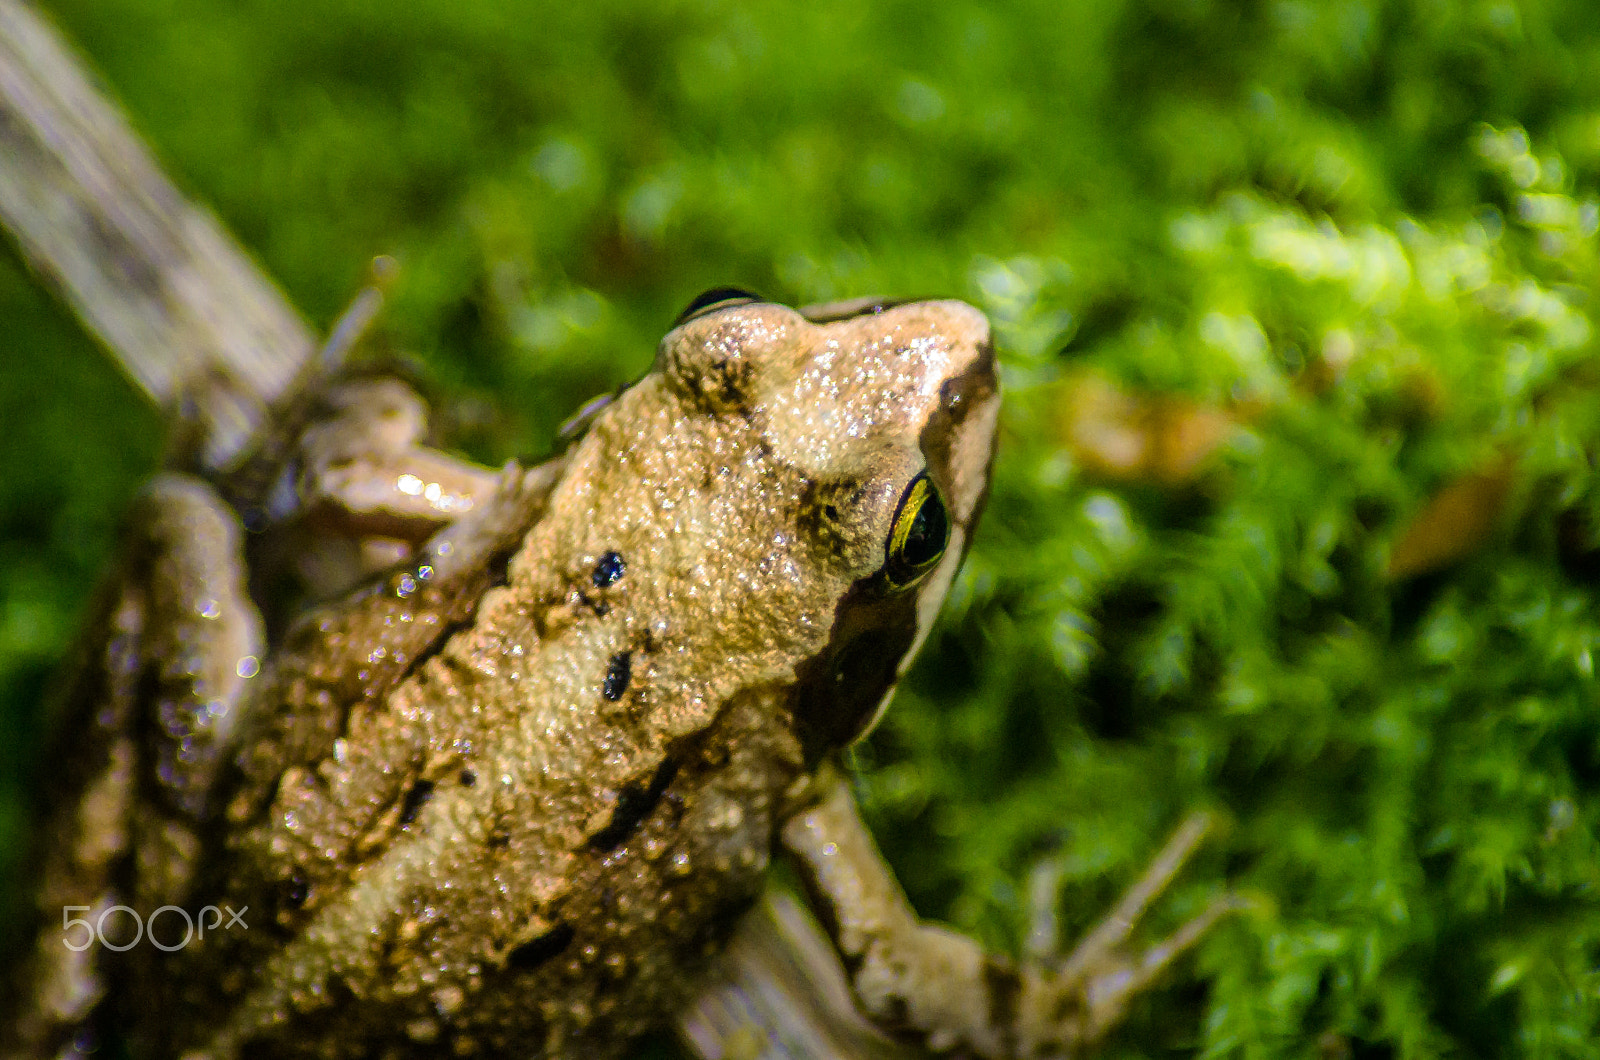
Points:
[(510, 785)]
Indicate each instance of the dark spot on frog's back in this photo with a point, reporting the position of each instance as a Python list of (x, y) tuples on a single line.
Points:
[(618, 674), (633, 806), (608, 571), (531, 954), (416, 798), (725, 383)]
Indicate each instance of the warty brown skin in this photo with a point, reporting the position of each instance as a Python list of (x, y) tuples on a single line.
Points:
[(527, 821)]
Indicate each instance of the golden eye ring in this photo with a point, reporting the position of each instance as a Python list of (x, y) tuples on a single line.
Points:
[(919, 534)]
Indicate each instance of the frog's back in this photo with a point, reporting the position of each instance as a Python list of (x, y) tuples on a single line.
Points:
[(550, 821)]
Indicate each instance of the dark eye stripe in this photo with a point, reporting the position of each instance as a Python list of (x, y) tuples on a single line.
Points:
[(715, 298)]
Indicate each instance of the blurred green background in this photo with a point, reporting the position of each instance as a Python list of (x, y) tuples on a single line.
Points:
[(1296, 515)]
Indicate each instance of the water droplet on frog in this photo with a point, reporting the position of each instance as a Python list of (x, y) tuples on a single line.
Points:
[(448, 999)]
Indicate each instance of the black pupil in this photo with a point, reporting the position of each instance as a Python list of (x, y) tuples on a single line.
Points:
[(930, 530)]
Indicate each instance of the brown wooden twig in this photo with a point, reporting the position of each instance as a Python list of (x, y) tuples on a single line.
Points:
[(155, 277)]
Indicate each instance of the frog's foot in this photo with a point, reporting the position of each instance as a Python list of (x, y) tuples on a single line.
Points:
[(357, 489), (941, 988), (364, 470), (1099, 975), (363, 466)]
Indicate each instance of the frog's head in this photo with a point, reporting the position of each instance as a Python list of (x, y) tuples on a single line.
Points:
[(884, 414)]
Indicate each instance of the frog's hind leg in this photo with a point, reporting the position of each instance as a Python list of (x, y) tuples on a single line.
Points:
[(341, 481), (144, 727), (941, 988)]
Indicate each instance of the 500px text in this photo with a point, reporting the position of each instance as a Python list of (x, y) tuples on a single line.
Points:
[(94, 931)]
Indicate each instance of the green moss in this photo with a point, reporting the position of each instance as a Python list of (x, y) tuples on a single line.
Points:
[(1364, 232)]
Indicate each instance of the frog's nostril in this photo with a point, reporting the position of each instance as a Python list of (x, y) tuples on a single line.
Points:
[(965, 392), (830, 312)]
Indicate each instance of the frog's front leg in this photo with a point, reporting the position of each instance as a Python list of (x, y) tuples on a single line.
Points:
[(365, 464), (941, 987), (354, 489)]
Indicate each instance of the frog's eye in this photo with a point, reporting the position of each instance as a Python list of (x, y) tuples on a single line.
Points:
[(918, 535), (716, 298)]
